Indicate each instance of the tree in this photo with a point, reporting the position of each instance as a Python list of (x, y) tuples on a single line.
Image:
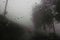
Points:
[(43, 15), (57, 16), (5, 12), (58, 6)]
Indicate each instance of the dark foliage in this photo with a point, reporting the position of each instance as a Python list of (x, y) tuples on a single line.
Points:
[(42, 15), (57, 17), (45, 16), (10, 30), (58, 6)]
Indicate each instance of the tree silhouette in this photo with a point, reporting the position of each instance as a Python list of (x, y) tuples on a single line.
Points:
[(58, 11), (58, 6), (44, 15), (5, 12)]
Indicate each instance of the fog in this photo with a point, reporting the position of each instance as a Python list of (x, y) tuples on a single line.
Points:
[(20, 11)]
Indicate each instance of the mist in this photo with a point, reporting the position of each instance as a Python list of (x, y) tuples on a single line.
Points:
[(20, 11)]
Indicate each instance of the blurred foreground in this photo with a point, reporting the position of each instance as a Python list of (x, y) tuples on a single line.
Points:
[(12, 31)]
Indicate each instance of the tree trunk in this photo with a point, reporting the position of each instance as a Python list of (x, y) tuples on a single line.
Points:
[(5, 8), (44, 28), (53, 27), (54, 33)]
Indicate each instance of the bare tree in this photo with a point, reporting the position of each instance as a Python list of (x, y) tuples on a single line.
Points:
[(5, 12)]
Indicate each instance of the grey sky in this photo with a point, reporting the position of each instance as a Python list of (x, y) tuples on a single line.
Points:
[(19, 10)]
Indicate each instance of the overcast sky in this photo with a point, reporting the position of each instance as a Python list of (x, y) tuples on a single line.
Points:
[(19, 11)]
